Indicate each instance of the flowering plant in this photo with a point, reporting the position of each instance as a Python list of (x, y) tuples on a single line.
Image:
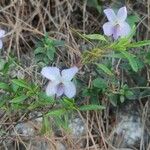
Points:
[(104, 77), (117, 26), (60, 81)]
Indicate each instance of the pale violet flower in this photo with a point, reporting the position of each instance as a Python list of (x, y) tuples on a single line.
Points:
[(2, 34), (60, 81), (117, 26)]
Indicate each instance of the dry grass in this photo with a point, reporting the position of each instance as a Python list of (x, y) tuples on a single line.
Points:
[(26, 21)]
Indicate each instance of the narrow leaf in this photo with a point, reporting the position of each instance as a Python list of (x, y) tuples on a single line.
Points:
[(131, 60), (91, 107), (57, 112), (105, 69), (4, 86), (39, 50), (19, 99), (139, 44), (95, 37), (21, 83), (46, 126)]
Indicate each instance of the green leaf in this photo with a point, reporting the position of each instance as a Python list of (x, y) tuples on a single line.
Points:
[(105, 69), (50, 52), (57, 112), (62, 121), (34, 105), (46, 126), (2, 101), (68, 103), (131, 59), (129, 95), (120, 44), (91, 107), (99, 83), (122, 98), (19, 99), (2, 64), (4, 86), (94, 4), (147, 58), (95, 37), (58, 43), (45, 100), (39, 50), (132, 19), (22, 83), (14, 87), (139, 44), (114, 56), (113, 98)]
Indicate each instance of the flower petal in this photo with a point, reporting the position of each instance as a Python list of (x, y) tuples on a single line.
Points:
[(116, 32), (111, 16), (125, 29), (1, 44), (2, 33), (51, 89), (68, 74), (70, 89), (51, 73), (60, 90), (122, 14), (108, 28)]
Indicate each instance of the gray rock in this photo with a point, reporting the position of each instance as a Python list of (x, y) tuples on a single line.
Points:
[(38, 145), (129, 129), (43, 145), (77, 127), (36, 118), (24, 129), (60, 146)]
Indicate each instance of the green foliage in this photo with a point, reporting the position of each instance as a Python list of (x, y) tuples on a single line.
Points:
[(110, 66), (57, 112), (91, 107), (24, 96), (147, 58), (120, 44), (139, 44), (100, 83), (4, 86), (95, 37), (46, 49), (124, 93), (94, 4), (46, 126), (105, 69), (2, 64), (22, 83), (132, 61), (19, 99), (133, 19)]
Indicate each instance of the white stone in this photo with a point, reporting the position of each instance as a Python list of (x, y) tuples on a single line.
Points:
[(77, 127), (130, 130), (24, 129)]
